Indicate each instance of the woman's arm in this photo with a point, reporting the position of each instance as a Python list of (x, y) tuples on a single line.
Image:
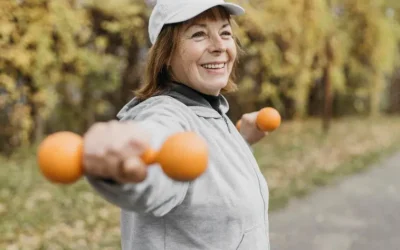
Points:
[(157, 194)]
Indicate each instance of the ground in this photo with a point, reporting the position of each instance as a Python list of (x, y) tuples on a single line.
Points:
[(361, 212), (297, 160)]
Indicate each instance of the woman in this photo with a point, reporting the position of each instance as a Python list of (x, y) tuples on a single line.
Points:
[(190, 64)]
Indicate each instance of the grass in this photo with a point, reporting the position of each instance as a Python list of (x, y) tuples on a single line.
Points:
[(299, 157), (39, 215), (296, 159)]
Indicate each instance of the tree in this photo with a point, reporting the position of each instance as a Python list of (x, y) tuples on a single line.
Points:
[(60, 55)]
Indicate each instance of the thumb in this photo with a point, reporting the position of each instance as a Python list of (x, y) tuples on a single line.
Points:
[(133, 170)]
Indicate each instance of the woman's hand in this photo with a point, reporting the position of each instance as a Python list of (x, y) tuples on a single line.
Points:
[(112, 150), (249, 129)]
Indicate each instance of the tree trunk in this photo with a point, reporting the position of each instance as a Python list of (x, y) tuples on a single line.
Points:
[(38, 127), (376, 93), (394, 94), (89, 116), (328, 96), (131, 77)]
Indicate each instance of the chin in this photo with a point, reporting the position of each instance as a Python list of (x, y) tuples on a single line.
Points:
[(216, 88), (222, 85)]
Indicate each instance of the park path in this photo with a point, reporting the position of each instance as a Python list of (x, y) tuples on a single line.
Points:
[(362, 212)]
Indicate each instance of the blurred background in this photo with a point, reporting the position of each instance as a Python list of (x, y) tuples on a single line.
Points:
[(331, 68)]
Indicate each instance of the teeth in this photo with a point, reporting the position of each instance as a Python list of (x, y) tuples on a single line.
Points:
[(214, 66)]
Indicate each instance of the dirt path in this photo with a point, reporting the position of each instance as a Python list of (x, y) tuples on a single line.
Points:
[(360, 213)]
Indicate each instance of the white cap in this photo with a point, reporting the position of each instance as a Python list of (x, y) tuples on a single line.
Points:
[(174, 11)]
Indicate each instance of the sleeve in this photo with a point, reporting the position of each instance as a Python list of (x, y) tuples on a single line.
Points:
[(157, 194)]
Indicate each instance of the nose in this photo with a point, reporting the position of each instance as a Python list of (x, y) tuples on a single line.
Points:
[(217, 45)]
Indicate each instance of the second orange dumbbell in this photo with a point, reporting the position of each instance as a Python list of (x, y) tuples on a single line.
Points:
[(268, 119)]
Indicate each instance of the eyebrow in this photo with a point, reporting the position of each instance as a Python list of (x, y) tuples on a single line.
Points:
[(204, 25)]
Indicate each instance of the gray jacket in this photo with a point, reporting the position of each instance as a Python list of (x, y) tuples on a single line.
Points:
[(224, 209)]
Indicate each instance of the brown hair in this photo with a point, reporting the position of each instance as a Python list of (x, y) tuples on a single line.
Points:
[(157, 76)]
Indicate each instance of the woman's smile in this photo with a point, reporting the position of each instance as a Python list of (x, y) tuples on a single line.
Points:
[(215, 68)]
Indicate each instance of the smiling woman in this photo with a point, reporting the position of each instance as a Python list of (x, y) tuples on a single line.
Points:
[(191, 63), (184, 48), (206, 53)]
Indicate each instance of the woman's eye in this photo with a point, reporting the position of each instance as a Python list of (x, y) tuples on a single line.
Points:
[(198, 34), (226, 33)]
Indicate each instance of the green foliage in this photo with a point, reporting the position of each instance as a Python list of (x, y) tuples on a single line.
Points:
[(285, 40), (373, 53), (67, 63), (292, 45), (62, 55)]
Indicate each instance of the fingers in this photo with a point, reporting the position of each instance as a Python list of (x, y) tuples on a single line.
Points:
[(132, 170), (113, 149), (249, 129), (93, 154), (248, 122), (250, 118)]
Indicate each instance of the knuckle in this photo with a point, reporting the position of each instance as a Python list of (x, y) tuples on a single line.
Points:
[(113, 123), (94, 129), (246, 117), (99, 126), (132, 166)]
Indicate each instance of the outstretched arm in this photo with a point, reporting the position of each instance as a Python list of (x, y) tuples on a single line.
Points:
[(143, 189)]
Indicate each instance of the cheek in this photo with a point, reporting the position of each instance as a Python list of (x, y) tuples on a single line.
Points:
[(192, 52), (232, 52), (189, 58)]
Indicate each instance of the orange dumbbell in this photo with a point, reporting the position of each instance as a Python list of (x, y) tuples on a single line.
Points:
[(60, 157), (268, 119)]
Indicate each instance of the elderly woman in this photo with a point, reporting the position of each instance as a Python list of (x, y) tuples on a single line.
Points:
[(191, 63)]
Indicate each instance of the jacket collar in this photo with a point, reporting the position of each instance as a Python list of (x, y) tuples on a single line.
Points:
[(202, 104)]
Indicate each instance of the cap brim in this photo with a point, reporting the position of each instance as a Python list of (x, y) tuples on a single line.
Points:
[(233, 9)]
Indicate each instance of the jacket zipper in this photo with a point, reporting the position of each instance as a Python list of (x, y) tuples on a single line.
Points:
[(257, 176), (226, 122)]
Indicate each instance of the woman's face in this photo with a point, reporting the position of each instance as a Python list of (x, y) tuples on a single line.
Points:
[(205, 56)]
